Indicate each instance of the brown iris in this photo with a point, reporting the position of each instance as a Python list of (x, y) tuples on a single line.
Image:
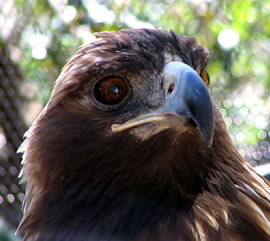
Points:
[(205, 76), (110, 90)]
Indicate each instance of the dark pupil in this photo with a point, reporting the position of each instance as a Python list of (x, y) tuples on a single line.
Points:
[(115, 90)]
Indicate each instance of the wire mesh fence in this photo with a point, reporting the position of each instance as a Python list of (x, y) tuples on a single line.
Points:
[(11, 132)]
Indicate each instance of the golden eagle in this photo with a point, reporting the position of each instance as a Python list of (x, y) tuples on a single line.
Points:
[(131, 147)]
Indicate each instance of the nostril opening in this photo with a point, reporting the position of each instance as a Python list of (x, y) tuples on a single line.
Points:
[(171, 88)]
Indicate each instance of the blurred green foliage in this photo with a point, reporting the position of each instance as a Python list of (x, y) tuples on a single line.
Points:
[(46, 33)]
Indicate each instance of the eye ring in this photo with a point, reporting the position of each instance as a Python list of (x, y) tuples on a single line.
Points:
[(110, 90)]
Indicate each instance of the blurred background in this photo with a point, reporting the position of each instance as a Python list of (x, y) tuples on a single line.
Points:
[(38, 36)]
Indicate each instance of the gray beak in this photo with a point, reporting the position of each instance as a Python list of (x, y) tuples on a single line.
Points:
[(189, 98)]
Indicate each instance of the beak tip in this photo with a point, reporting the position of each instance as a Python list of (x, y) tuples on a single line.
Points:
[(207, 135), (206, 127), (209, 141)]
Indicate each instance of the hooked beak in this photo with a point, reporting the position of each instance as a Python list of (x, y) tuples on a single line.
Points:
[(187, 98)]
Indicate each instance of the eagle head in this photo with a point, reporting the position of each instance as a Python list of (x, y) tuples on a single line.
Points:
[(131, 147)]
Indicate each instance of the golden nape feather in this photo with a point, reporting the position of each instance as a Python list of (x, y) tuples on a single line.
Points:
[(131, 147)]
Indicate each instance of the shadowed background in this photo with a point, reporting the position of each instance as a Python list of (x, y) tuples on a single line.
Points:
[(38, 36)]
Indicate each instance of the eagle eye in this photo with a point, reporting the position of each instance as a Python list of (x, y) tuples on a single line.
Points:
[(110, 90), (205, 76)]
